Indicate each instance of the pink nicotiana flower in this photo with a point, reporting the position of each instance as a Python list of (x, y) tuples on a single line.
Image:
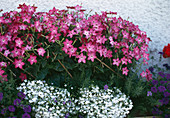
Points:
[(143, 74), (18, 63), (3, 40), (3, 64), (28, 47), (116, 61), (82, 58), (146, 56), (139, 40), (125, 34), (6, 53), (16, 52), (1, 72), (145, 62), (32, 59), (67, 43), (100, 50), (41, 51), (71, 33), (83, 48), (91, 56), (19, 42), (124, 61), (86, 33), (125, 71), (90, 47), (72, 51)]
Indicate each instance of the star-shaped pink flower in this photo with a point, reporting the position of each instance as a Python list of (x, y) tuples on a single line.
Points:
[(91, 56), (67, 43), (41, 51), (143, 74), (116, 61), (32, 59), (71, 33), (18, 63), (82, 58), (125, 71), (90, 47), (19, 42)]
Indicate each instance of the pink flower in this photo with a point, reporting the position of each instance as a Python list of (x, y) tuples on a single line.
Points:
[(32, 59), (136, 50), (3, 64), (124, 61), (41, 51), (23, 27), (18, 63), (90, 47), (71, 33), (91, 56), (19, 42), (149, 77), (146, 56), (125, 71), (27, 47), (143, 74), (139, 40), (116, 61), (125, 34), (67, 43), (65, 49), (145, 62), (6, 53), (83, 48), (100, 50), (87, 33), (16, 52), (125, 50), (137, 57), (104, 39), (1, 72), (77, 7), (4, 40), (82, 58), (23, 76), (72, 51), (99, 40)]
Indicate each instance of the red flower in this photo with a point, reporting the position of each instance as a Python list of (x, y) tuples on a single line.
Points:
[(23, 76), (166, 51)]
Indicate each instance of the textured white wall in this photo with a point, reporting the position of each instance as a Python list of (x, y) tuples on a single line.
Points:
[(152, 16)]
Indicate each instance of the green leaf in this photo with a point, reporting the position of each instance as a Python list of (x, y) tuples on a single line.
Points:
[(55, 79), (68, 65), (100, 68), (58, 67), (88, 73), (34, 69), (42, 74), (43, 63)]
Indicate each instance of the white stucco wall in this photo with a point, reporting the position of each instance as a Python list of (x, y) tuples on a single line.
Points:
[(152, 16)]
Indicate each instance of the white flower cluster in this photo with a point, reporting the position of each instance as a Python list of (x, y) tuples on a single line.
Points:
[(100, 103), (47, 101)]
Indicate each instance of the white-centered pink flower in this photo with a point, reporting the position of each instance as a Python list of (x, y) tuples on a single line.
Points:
[(125, 71), (32, 59), (19, 42), (41, 51)]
